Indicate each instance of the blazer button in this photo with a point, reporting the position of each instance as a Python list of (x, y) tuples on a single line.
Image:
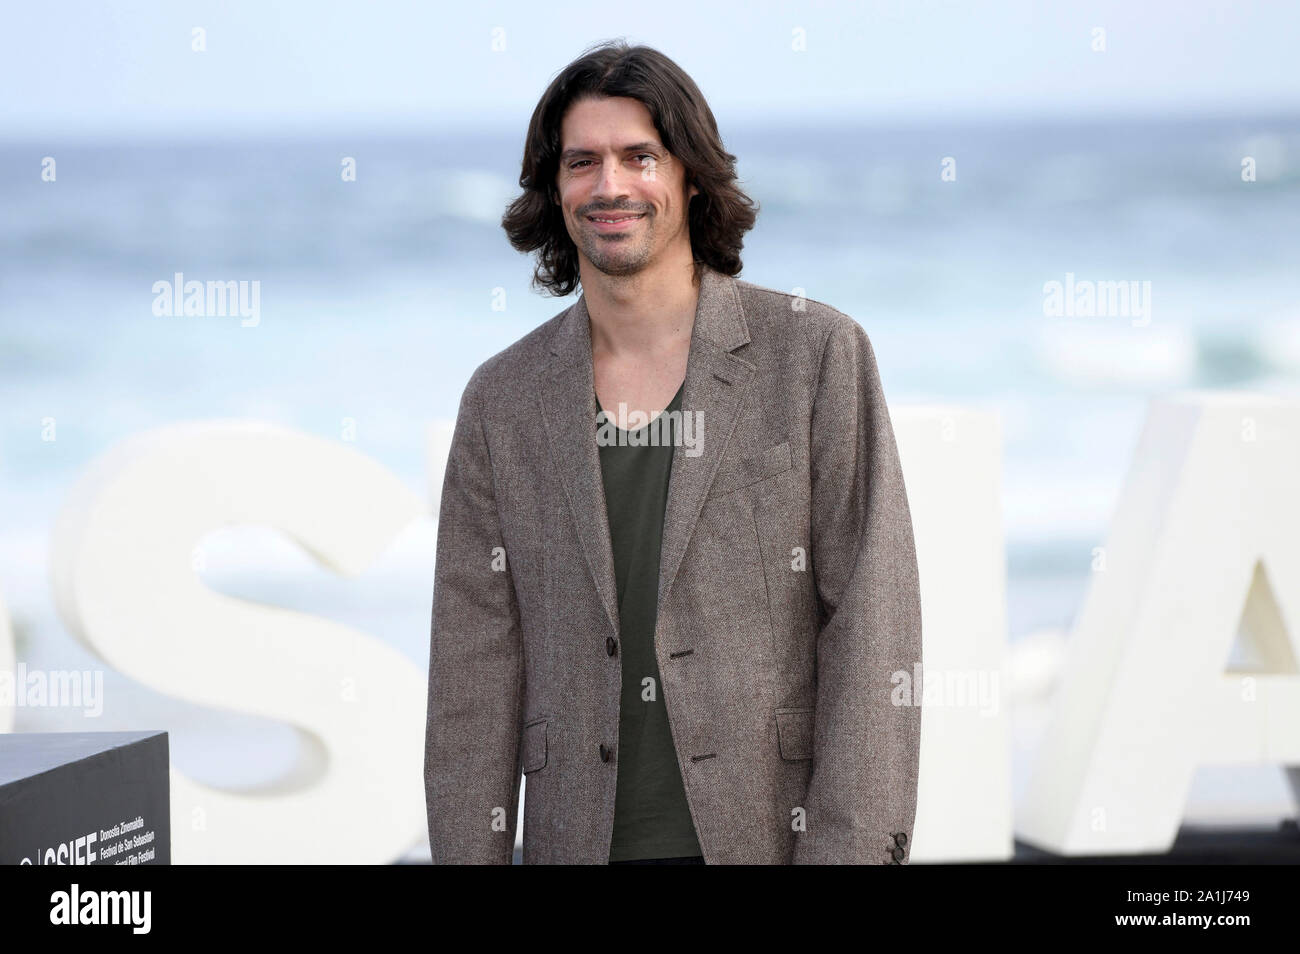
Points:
[(900, 838), (898, 854), (611, 645), (605, 753)]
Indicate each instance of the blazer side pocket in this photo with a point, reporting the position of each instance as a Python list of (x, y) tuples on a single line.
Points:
[(752, 469), (533, 755), (794, 732)]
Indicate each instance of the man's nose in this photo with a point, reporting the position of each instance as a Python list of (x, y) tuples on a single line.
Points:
[(613, 183)]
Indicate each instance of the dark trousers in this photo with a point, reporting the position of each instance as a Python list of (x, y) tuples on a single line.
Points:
[(685, 860)]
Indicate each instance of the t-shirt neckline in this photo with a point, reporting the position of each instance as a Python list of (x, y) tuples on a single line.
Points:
[(600, 410)]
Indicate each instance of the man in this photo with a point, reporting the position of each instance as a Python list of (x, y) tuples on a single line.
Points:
[(688, 649)]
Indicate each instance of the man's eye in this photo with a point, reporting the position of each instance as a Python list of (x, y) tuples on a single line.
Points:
[(646, 155), (578, 163)]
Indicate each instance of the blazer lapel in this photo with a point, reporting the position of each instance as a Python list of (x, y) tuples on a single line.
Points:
[(717, 383), (569, 411)]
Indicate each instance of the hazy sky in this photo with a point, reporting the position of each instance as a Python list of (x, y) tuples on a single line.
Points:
[(97, 66)]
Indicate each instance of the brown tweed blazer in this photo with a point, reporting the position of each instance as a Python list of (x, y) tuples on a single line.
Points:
[(788, 600)]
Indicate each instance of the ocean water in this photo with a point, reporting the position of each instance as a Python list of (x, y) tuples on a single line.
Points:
[(379, 296)]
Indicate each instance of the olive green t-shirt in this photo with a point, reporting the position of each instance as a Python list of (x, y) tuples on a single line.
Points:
[(651, 816)]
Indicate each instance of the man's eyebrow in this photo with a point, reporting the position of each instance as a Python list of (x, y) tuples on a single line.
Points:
[(642, 146)]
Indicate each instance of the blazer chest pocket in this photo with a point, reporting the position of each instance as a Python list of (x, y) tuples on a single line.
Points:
[(533, 755), (794, 732), (751, 470)]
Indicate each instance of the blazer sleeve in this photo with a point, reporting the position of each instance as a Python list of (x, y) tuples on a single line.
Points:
[(861, 798), (471, 754)]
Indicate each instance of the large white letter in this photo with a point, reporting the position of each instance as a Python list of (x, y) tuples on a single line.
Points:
[(952, 465), (125, 587), (6, 668), (1208, 518)]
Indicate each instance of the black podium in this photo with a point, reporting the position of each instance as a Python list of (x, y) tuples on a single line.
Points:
[(84, 798)]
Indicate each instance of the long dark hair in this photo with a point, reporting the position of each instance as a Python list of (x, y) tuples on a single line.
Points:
[(718, 217)]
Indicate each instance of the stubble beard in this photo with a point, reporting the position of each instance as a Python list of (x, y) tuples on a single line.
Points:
[(618, 254)]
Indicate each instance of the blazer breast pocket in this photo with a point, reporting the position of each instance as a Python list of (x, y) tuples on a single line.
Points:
[(750, 470)]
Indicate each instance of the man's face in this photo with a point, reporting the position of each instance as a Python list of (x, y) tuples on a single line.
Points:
[(613, 166)]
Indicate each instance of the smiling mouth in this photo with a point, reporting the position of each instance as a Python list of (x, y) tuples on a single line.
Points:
[(614, 219)]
